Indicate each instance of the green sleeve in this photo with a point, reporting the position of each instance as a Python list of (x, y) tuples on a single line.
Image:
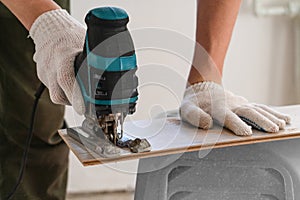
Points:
[(18, 83)]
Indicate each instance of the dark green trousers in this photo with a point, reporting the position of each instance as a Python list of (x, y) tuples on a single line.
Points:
[(45, 175)]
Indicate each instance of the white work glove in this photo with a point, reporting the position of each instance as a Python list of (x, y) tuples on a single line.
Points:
[(58, 38), (207, 101)]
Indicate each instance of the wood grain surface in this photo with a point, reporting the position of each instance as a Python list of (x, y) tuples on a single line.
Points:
[(171, 136)]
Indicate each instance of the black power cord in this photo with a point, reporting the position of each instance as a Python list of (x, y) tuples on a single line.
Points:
[(37, 95)]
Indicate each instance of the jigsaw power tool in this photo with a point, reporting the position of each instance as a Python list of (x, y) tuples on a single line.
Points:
[(105, 71)]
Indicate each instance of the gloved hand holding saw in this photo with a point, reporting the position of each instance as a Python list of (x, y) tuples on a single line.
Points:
[(58, 39)]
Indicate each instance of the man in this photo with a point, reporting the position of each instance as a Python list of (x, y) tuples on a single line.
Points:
[(58, 38)]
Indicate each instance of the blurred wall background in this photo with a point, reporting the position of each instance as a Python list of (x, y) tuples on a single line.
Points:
[(259, 66)]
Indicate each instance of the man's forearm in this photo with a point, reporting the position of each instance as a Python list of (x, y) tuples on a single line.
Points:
[(215, 22), (28, 10)]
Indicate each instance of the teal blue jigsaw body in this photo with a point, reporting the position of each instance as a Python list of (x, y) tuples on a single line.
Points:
[(106, 68)]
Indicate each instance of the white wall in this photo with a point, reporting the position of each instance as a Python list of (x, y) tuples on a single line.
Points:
[(260, 60), (259, 66)]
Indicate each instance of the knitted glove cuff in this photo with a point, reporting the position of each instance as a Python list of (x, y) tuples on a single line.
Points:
[(202, 86), (51, 22)]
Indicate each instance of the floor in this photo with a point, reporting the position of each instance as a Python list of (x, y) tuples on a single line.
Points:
[(102, 196)]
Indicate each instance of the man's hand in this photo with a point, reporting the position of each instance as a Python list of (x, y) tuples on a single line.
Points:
[(207, 101), (58, 38)]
